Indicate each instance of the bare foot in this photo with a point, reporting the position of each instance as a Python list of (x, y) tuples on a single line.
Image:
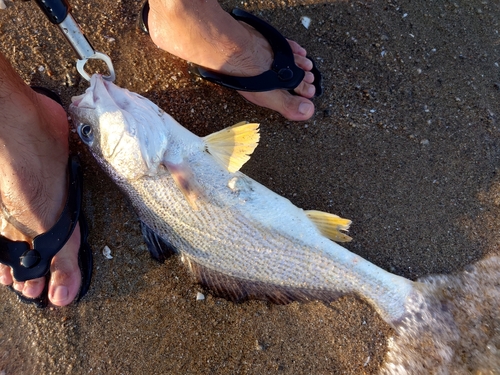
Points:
[(203, 33), (33, 181)]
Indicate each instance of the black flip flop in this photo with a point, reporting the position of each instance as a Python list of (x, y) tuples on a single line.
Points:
[(47, 92), (284, 74), (31, 261)]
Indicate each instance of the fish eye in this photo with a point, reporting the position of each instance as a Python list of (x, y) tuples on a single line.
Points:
[(86, 133), (86, 130)]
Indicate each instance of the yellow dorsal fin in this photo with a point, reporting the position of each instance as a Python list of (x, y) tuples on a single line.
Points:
[(330, 225), (232, 146)]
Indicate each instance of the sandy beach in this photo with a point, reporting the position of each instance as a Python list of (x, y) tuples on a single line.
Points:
[(405, 142)]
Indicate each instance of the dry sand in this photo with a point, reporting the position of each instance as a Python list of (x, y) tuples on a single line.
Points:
[(405, 142)]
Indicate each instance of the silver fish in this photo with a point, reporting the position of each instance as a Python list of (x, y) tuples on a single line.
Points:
[(239, 238)]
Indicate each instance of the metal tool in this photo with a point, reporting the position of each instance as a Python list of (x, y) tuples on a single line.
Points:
[(57, 11)]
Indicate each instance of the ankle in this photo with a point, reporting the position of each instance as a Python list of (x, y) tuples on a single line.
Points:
[(33, 162), (32, 199), (219, 43)]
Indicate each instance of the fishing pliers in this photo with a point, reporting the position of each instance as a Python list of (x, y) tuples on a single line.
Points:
[(58, 12)]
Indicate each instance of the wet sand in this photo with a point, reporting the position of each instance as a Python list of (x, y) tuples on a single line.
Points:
[(405, 142)]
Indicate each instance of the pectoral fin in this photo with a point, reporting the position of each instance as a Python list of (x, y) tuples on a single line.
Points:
[(158, 247), (330, 225), (232, 146), (186, 182)]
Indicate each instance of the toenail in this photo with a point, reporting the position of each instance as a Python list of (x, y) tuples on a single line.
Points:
[(29, 291), (60, 294), (3, 280), (305, 108)]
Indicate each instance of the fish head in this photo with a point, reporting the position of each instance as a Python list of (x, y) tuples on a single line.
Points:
[(120, 128)]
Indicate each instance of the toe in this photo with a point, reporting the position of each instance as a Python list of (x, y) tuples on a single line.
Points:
[(18, 286), (309, 77), (296, 48), (59, 294), (297, 108), (293, 107), (305, 109), (65, 277), (5, 276), (33, 288), (305, 89), (303, 63)]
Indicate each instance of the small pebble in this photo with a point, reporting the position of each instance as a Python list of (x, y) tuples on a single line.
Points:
[(200, 296), (107, 252), (2, 6), (306, 21), (259, 346), (69, 81)]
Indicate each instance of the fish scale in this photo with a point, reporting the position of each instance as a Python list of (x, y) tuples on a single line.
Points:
[(239, 238)]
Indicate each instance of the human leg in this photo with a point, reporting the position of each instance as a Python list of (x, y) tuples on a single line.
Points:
[(33, 181)]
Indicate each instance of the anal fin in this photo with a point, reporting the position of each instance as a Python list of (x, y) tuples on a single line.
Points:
[(239, 290), (159, 248), (330, 225)]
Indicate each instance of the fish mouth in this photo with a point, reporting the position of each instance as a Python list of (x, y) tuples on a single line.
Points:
[(84, 101), (89, 98), (76, 100)]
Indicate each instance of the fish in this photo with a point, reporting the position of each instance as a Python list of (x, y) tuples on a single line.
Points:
[(243, 241), (238, 238)]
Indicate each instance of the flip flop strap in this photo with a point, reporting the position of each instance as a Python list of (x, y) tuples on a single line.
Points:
[(31, 262), (284, 74)]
